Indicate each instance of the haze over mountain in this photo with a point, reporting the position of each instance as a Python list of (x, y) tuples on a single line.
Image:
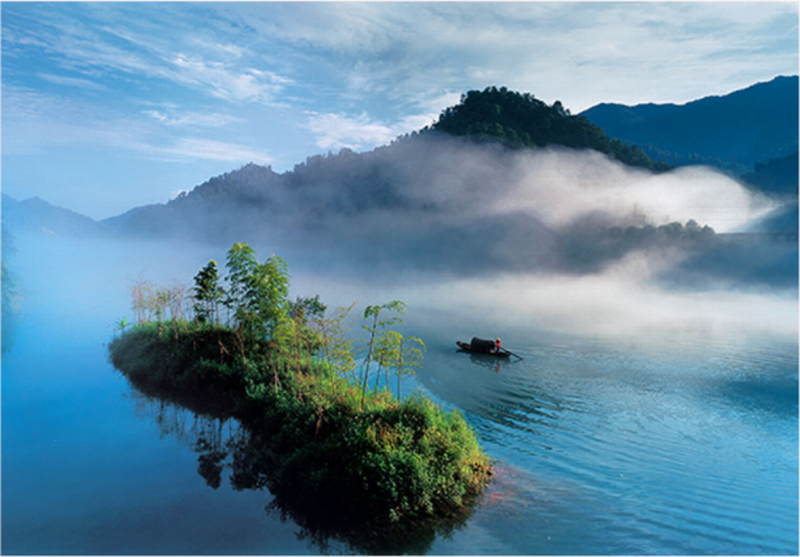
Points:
[(39, 216), (501, 181)]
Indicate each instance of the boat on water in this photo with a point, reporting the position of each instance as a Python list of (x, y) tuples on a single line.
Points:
[(481, 346)]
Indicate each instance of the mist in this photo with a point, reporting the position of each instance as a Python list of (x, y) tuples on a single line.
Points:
[(441, 205), (546, 240)]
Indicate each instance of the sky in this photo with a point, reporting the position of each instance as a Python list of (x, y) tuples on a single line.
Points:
[(110, 106)]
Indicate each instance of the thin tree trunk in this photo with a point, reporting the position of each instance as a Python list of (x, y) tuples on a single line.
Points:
[(369, 356)]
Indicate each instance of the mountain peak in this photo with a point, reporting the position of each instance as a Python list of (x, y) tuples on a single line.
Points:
[(520, 120)]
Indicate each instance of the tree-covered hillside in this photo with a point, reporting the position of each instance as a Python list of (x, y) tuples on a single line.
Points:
[(521, 120), (777, 177), (732, 132)]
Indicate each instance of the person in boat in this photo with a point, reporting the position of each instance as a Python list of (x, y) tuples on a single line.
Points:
[(496, 345)]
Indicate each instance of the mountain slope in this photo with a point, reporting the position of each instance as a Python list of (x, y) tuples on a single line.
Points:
[(732, 132), (521, 120), (40, 217), (777, 177)]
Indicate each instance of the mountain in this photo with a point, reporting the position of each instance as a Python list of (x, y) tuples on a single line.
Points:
[(777, 177), (520, 120), (732, 132), (196, 215), (40, 217)]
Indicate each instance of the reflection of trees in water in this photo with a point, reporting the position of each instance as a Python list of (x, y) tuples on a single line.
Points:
[(223, 444), (212, 437)]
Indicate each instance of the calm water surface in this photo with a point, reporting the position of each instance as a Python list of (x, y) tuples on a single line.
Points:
[(684, 446)]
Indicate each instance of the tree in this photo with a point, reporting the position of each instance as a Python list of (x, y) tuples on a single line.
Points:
[(141, 294), (411, 357), (301, 330), (241, 264), (387, 352), (207, 293), (337, 346), (258, 292), (374, 312)]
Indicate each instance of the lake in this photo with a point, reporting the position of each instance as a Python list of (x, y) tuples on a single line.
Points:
[(664, 434)]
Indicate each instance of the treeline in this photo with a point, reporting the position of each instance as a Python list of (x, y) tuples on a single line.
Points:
[(591, 247), (777, 177), (521, 120), (335, 437)]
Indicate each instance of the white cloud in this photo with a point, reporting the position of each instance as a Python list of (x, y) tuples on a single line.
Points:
[(42, 122), (335, 131), (103, 47), (206, 149), (72, 81), (223, 82), (191, 119), (581, 53)]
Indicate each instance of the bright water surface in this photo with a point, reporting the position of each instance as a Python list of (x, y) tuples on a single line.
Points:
[(603, 446)]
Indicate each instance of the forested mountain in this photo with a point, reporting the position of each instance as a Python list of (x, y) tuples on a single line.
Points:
[(777, 177), (415, 173), (732, 132), (521, 120)]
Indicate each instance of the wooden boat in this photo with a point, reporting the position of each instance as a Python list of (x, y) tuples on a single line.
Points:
[(479, 350)]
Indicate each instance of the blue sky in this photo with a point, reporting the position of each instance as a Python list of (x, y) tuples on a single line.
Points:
[(108, 106)]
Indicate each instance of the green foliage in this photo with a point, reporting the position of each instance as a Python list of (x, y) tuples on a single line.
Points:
[(337, 346), (121, 325), (521, 120), (410, 359), (373, 329), (397, 459), (207, 293), (258, 292)]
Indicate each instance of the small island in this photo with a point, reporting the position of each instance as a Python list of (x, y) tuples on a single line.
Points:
[(335, 439)]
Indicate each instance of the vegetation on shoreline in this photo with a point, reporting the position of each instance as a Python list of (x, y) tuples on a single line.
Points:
[(336, 443)]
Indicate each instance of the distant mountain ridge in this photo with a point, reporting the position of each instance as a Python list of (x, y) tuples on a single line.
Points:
[(733, 132), (37, 215)]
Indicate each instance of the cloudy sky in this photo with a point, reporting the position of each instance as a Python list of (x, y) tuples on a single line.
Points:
[(107, 106)]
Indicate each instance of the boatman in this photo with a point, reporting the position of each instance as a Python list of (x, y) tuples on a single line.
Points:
[(497, 345)]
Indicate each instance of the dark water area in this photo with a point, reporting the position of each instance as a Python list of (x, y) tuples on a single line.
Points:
[(684, 442)]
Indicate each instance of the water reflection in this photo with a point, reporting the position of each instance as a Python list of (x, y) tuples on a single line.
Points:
[(504, 398), (491, 363), (224, 445)]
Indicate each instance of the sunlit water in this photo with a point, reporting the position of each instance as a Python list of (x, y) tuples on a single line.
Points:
[(687, 445)]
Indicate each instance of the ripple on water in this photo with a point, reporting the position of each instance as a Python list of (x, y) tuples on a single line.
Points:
[(687, 448)]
